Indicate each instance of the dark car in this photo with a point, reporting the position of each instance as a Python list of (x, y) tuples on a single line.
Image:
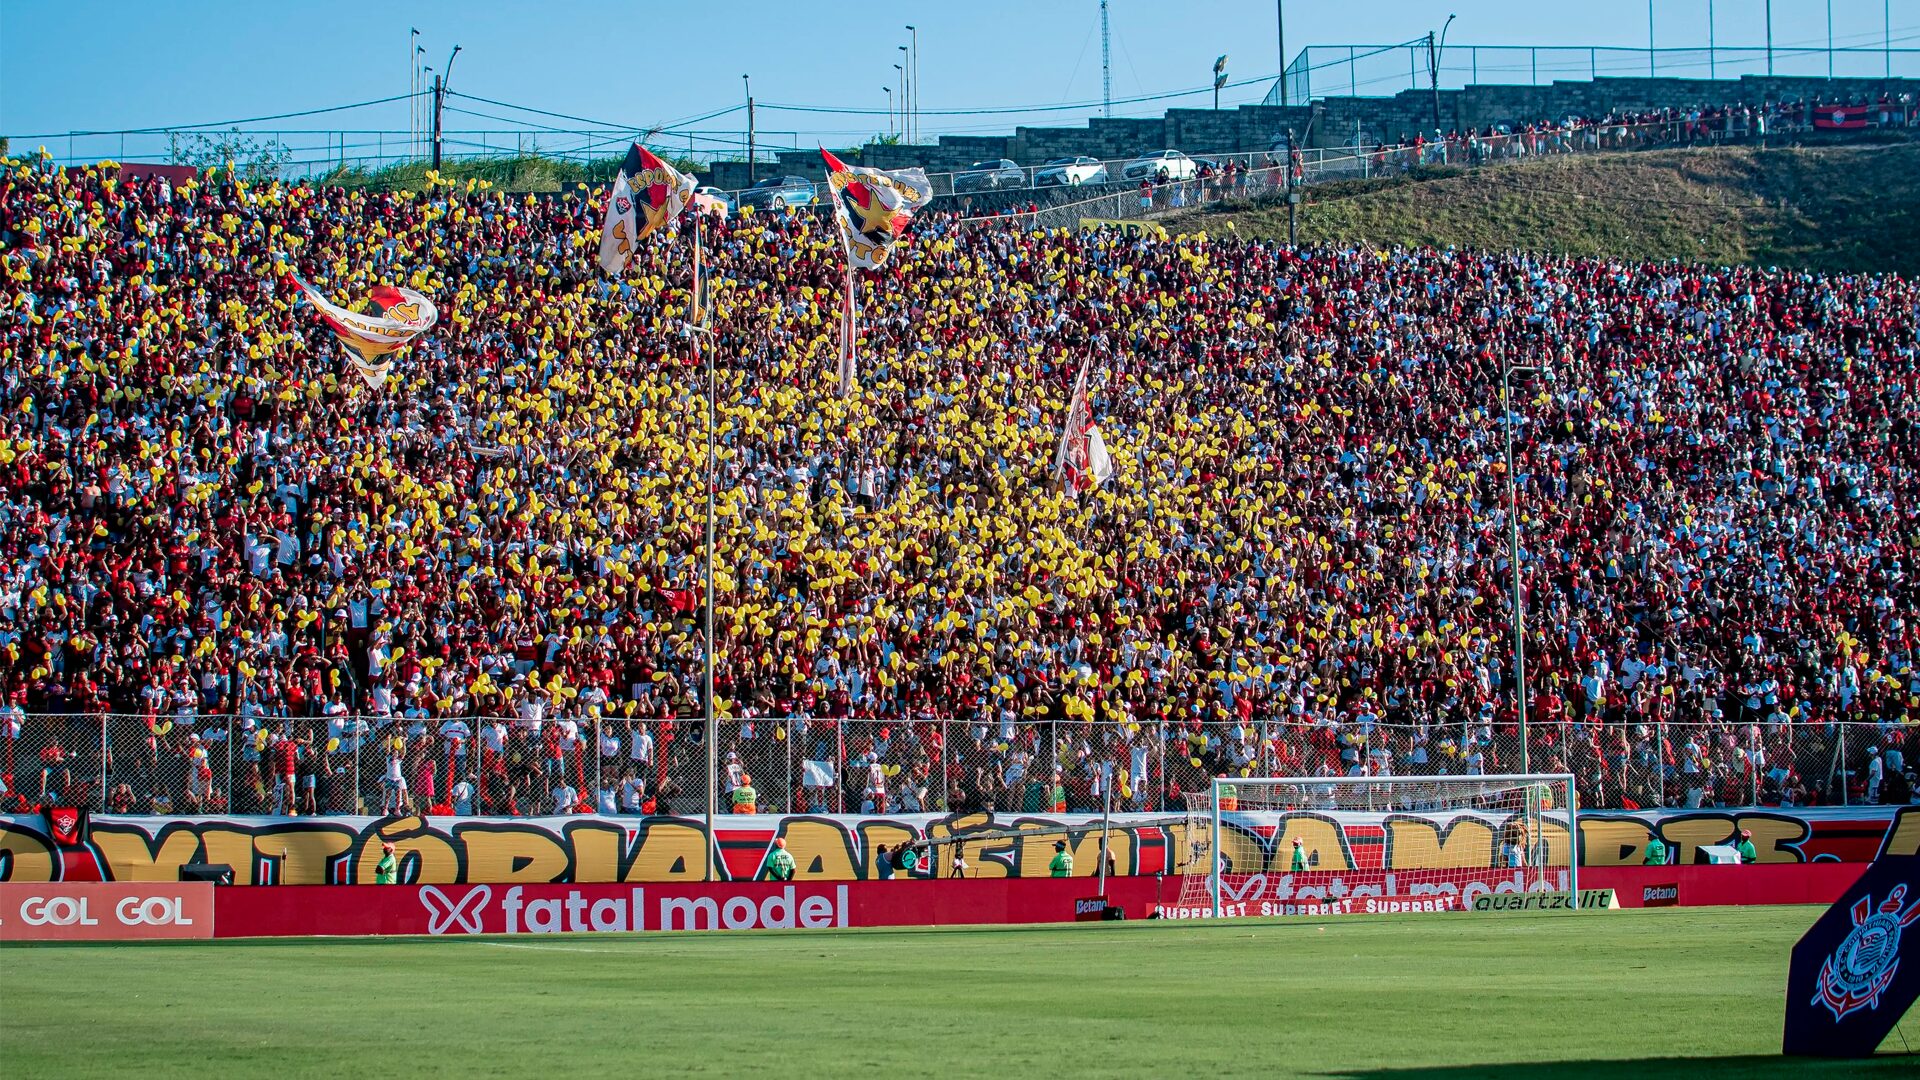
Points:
[(777, 192), (990, 176)]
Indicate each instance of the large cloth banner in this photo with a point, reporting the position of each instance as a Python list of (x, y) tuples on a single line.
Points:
[(343, 850), (1857, 970)]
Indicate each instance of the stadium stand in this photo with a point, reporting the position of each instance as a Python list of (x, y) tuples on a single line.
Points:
[(217, 540)]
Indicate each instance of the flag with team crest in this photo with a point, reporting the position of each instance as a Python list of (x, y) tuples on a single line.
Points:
[(874, 207), (647, 194)]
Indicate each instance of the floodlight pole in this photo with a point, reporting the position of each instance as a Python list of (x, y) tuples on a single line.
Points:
[(711, 717), (441, 83), (1519, 622), (1106, 826)]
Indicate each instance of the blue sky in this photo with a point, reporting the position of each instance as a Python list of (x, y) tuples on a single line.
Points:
[(89, 65)]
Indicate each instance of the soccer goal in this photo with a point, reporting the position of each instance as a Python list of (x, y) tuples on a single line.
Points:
[(1366, 844)]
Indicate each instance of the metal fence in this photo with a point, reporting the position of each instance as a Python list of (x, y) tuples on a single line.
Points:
[(1369, 154), (523, 765), (1383, 70)]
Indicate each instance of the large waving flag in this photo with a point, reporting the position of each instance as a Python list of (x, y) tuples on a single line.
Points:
[(394, 317), (647, 194), (1082, 462), (873, 207)]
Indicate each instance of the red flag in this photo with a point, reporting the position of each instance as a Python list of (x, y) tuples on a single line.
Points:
[(1841, 117)]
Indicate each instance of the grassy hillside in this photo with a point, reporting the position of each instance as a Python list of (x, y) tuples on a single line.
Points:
[(1827, 208)]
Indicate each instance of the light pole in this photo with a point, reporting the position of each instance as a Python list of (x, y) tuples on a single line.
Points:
[(751, 156), (1280, 30), (906, 84), (1769, 37), (889, 91), (712, 716), (441, 85), (1519, 622), (1649, 38), (912, 104), (1436, 48)]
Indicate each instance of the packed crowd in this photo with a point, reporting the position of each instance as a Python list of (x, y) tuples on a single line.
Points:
[(485, 578)]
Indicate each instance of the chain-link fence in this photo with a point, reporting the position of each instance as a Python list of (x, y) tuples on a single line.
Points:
[(561, 765)]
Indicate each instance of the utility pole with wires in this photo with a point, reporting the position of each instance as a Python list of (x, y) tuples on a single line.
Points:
[(1106, 65)]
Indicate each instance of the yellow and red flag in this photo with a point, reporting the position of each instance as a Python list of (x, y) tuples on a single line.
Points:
[(393, 317), (647, 194), (873, 207)]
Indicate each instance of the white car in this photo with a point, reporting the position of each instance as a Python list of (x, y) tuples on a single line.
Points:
[(1173, 164), (1071, 172)]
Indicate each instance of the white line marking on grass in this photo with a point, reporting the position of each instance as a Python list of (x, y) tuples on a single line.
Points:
[(542, 948)]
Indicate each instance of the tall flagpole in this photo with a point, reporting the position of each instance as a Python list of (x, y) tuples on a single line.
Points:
[(712, 719)]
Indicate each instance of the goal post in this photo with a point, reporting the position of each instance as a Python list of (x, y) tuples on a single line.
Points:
[(1306, 845)]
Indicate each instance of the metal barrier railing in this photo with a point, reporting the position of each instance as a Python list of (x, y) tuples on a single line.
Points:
[(193, 764), (1381, 70)]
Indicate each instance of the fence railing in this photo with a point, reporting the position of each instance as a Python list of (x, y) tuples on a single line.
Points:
[(192, 764), (1224, 177), (1384, 70)]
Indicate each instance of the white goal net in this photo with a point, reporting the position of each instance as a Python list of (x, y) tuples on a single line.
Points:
[(1356, 845)]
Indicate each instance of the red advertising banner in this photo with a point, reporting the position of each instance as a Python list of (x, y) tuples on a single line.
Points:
[(282, 911), (1701, 886), (103, 911)]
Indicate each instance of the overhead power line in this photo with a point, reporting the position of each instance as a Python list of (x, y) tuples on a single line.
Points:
[(224, 123)]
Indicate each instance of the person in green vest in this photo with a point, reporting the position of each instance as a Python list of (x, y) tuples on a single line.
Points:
[(1748, 854), (1300, 862), (1656, 852), (779, 862), (387, 870), (1062, 864)]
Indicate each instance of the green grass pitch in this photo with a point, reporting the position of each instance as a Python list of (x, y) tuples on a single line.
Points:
[(1639, 994)]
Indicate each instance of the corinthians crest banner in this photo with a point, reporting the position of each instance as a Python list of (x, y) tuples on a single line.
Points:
[(1855, 973)]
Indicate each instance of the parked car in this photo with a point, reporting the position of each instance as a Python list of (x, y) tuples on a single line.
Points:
[(1071, 172), (711, 200), (1173, 164), (990, 176), (778, 192)]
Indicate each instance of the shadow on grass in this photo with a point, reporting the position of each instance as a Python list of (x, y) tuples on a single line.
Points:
[(1754, 1065)]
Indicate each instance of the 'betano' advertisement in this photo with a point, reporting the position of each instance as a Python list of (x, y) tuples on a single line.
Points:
[(670, 850)]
